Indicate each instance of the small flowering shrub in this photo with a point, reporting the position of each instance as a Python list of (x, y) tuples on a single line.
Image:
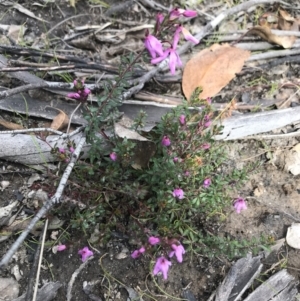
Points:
[(172, 205)]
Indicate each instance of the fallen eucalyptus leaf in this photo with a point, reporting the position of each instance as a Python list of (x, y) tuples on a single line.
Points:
[(266, 34), (212, 69), (60, 121)]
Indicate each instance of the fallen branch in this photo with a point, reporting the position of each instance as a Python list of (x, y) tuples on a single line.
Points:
[(47, 206)]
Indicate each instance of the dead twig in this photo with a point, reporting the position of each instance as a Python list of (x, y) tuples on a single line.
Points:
[(43, 237), (10, 92), (47, 206), (74, 275)]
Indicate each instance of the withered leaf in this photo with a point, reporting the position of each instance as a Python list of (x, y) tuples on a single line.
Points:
[(286, 16), (266, 34), (10, 125), (212, 69), (60, 121)]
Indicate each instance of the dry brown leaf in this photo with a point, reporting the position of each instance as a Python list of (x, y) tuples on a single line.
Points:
[(286, 16), (60, 121), (10, 125), (266, 34), (212, 69)]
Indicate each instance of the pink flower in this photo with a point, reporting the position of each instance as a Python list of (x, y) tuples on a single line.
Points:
[(206, 183), (174, 59), (153, 45), (61, 248), (182, 119), (178, 250), (159, 18), (187, 35), (166, 141), (239, 205), (178, 193), (71, 149), (137, 253), (208, 99), (177, 12), (189, 13), (162, 265), (61, 150), (175, 159), (113, 156), (205, 146), (153, 240), (85, 253), (187, 173), (85, 93), (207, 121), (74, 95)]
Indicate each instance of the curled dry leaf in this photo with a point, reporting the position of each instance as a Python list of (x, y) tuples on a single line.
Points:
[(212, 69), (60, 121), (10, 125), (266, 34)]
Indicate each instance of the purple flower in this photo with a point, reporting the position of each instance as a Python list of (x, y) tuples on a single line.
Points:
[(189, 13), (177, 12), (239, 205), (205, 146), (71, 149), (61, 248), (153, 45), (187, 35), (174, 59), (187, 173), (166, 141), (207, 121), (85, 93), (85, 253), (178, 250), (153, 240), (175, 159), (178, 193), (206, 183), (74, 95), (162, 265), (182, 119), (61, 150), (137, 253), (113, 156), (208, 99), (159, 18)]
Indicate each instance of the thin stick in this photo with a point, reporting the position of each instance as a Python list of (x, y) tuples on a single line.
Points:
[(74, 275), (10, 92), (40, 261), (70, 120), (47, 206)]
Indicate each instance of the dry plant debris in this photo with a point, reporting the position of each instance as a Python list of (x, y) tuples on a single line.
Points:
[(212, 69)]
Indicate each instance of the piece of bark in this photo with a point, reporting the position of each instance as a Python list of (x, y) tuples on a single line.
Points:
[(279, 287), (239, 278), (237, 127), (28, 149), (46, 293), (282, 283)]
